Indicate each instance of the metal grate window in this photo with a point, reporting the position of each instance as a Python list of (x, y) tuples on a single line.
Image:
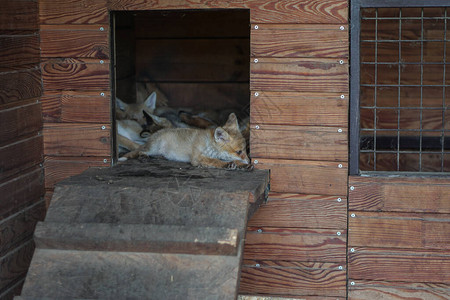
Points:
[(403, 86)]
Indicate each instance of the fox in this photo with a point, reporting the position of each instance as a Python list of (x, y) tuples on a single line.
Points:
[(220, 147)]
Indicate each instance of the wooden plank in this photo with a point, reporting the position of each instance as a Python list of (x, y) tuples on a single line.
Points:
[(76, 107), (73, 12), (399, 194), (424, 231), (13, 291), (302, 211), (299, 40), (63, 139), (299, 142), (292, 278), (306, 177), (89, 75), (407, 265), (292, 244), (19, 15), (21, 191), (20, 121), (308, 109), (19, 227), (267, 11), (20, 156), (59, 168), (120, 275), (20, 85), (368, 290), (137, 238), (14, 265), (204, 60), (19, 50), (300, 75), (80, 43)]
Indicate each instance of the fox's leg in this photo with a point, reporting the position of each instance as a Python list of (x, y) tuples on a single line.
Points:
[(241, 165), (212, 163), (126, 143)]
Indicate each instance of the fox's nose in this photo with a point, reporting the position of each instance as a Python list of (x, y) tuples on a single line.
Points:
[(245, 158)]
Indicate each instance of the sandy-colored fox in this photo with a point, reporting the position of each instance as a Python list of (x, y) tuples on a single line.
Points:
[(221, 147)]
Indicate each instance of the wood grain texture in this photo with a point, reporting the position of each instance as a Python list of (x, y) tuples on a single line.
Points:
[(306, 177), (19, 15), (399, 194), (71, 74), (407, 265), (19, 227), (368, 290), (19, 121), (267, 11), (301, 211), (289, 40), (20, 156), (18, 50), (73, 12), (292, 278), (20, 85), (299, 142), (291, 108), (420, 231), (292, 244), (77, 139), (14, 265), (21, 191), (59, 168), (300, 75), (84, 42), (76, 107)]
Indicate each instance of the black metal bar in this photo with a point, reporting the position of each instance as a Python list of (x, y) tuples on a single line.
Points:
[(399, 3)]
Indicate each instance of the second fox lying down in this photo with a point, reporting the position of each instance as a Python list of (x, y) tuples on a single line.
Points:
[(221, 147)]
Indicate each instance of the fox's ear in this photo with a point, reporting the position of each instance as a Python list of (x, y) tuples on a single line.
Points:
[(148, 118), (220, 135), (232, 122), (150, 102), (121, 105)]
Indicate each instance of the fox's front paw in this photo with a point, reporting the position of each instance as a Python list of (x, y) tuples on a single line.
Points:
[(249, 167), (231, 166)]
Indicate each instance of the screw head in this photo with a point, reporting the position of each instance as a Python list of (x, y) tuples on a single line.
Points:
[(352, 283), (339, 199), (338, 233), (340, 166), (341, 62), (101, 62), (352, 215), (342, 96), (342, 28), (255, 161), (352, 250), (352, 188), (105, 161), (102, 29), (256, 94), (258, 265), (259, 230), (339, 130), (257, 127), (102, 94), (340, 268), (103, 127), (256, 27), (256, 60)]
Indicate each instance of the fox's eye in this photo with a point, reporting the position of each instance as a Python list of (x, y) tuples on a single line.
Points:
[(239, 152)]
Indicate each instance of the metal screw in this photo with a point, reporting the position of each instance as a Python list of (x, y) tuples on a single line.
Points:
[(256, 27), (103, 127), (338, 233), (340, 268), (352, 283), (258, 265), (339, 199), (259, 230), (255, 161), (341, 62), (342, 28), (340, 166), (105, 160), (342, 96), (352, 215), (102, 29), (256, 94), (102, 94), (255, 60), (352, 250), (352, 188), (257, 127), (339, 130), (101, 61)]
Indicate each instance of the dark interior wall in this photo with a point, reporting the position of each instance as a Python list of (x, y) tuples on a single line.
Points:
[(21, 146)]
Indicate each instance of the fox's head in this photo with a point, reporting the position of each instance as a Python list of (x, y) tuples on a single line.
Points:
[(135, 111), (230, 141)]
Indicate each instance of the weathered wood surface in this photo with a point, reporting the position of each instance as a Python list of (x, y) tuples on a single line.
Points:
[(19, 15), (121, 275), (299, 40), (407, 265), (14, 265), (302, 211), (81, 41), (399, 194), (18, 50), (299, 142), (75, 139), (299, 74), (420, 231), (20, 121), (270, 11), (306, 245), (306, 109), (137, 238), (293, 278), (76, 107), (368, 290), (20, 85), (306, 177)]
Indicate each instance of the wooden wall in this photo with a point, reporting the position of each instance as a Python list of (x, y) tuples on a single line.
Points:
[(21, 174), (296, 245)]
